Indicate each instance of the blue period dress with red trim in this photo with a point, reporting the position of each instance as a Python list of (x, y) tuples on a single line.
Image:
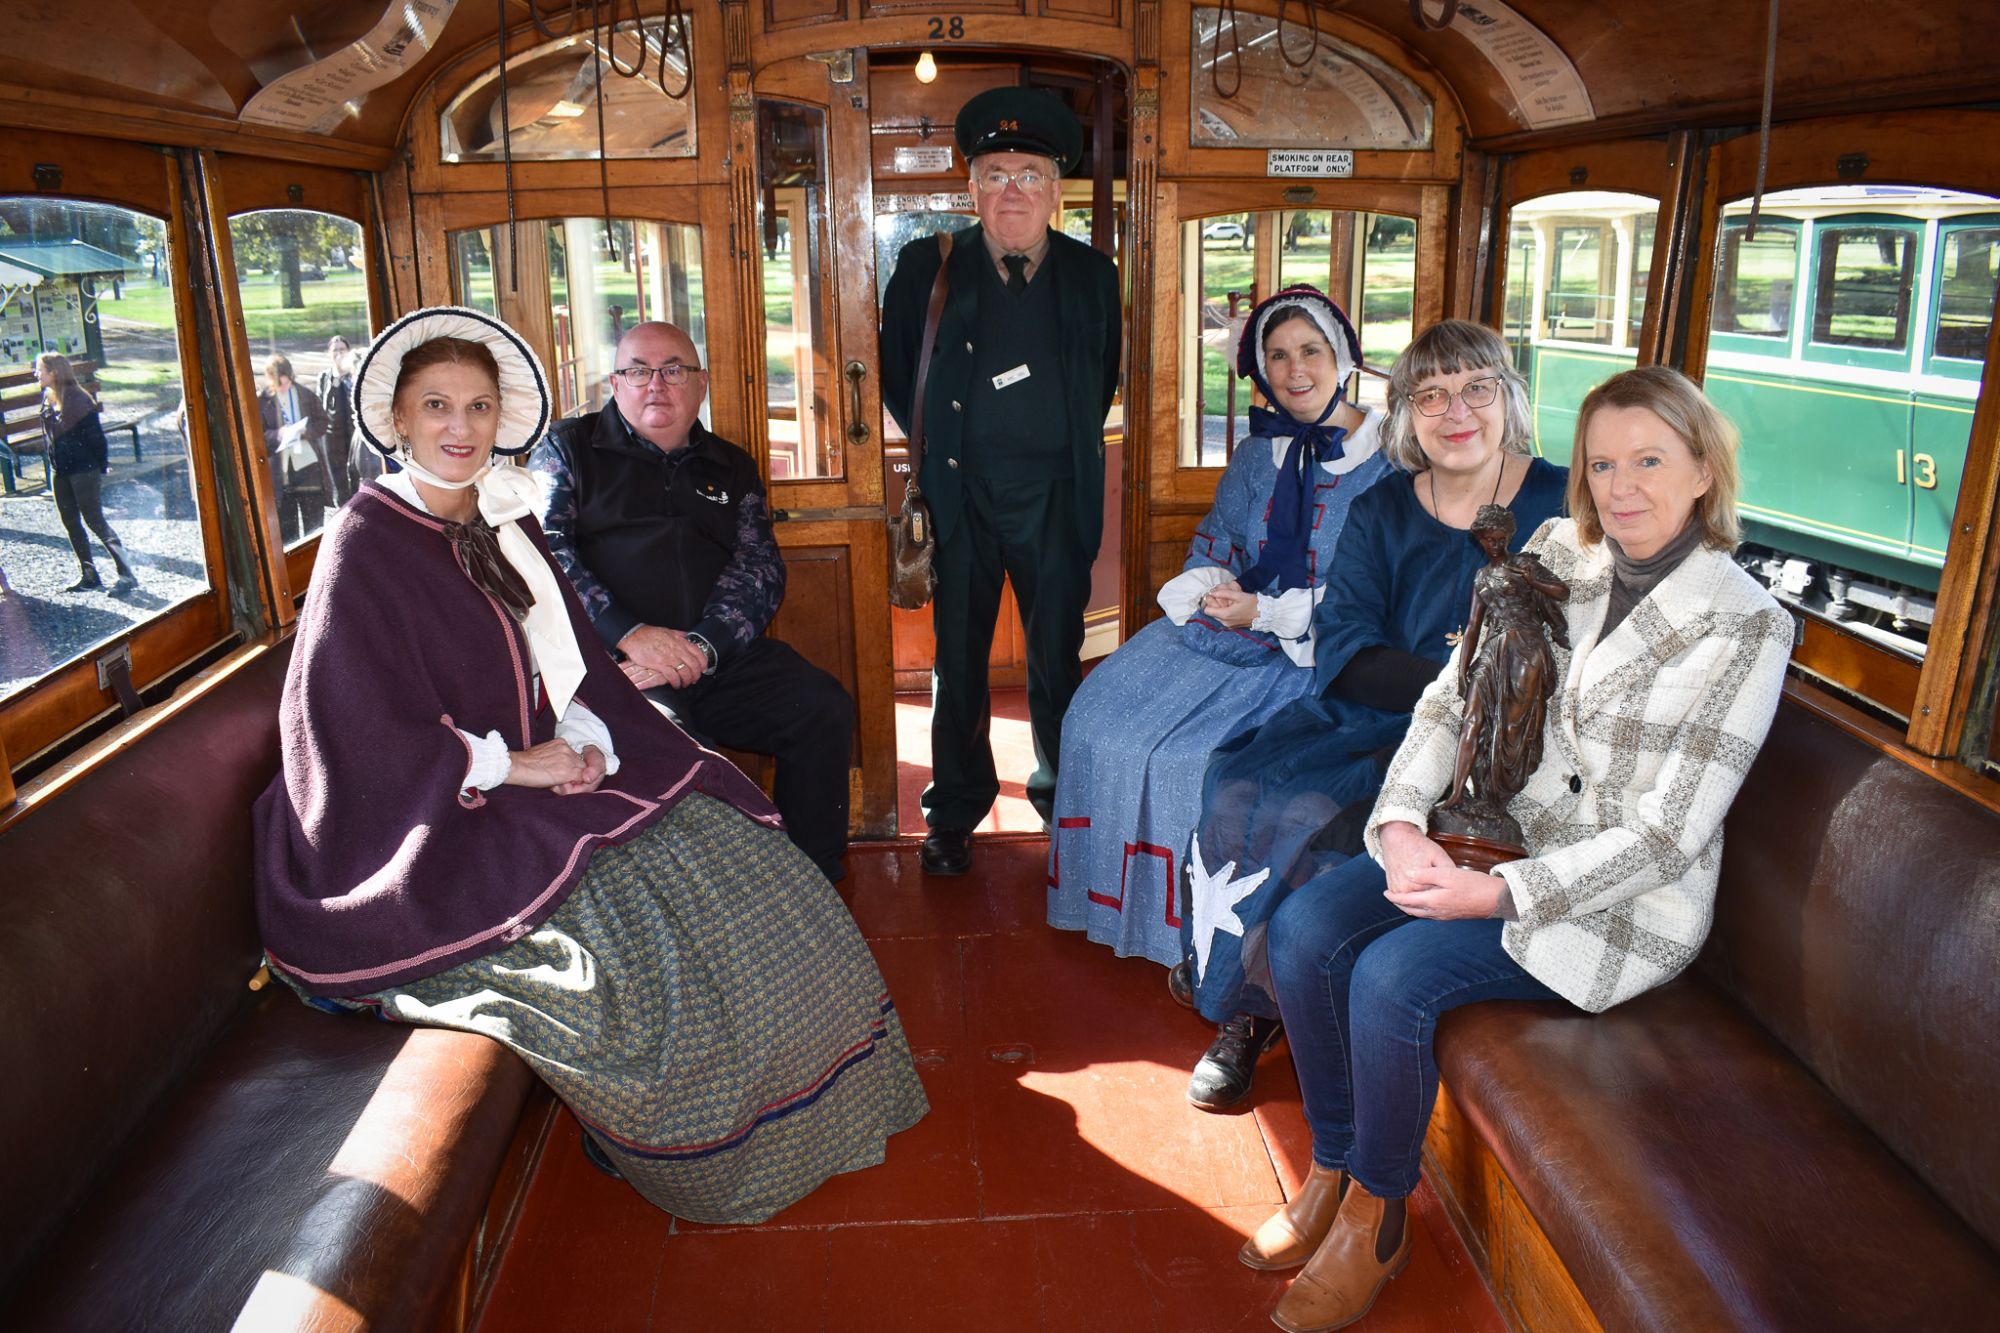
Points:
[(1139, 732)]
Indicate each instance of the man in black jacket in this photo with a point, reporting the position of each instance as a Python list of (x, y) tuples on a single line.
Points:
[(662, 528), (1022, 373)]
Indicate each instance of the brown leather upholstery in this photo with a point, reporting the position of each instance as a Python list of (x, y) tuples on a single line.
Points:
[(177, 1146), (1694, 1170)]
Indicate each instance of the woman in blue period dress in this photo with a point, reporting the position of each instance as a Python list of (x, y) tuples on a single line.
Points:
[(481, 825), (1286, 800), (1663, 694), (1236, 644)]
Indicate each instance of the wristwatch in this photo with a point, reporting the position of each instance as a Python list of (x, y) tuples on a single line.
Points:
[(707, 651)]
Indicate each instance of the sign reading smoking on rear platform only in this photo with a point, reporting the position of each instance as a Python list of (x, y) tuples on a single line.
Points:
[(1309, 162)]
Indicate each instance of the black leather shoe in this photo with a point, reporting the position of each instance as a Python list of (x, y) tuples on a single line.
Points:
[(599, 1158), (1222, 1079), (1180, 983), (947, 851)]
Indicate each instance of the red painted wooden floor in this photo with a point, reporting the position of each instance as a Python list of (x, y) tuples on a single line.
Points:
[(1061, 1181)]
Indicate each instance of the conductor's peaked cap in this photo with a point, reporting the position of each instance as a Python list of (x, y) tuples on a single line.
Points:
[(1020, 120)]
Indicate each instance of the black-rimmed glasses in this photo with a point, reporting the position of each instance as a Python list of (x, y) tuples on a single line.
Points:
[(674, 373), (1436, 401)]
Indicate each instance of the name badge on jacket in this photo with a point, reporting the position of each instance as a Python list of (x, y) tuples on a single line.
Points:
[(1007, 377)]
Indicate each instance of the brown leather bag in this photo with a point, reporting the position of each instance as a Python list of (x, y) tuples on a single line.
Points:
[(912, 541)]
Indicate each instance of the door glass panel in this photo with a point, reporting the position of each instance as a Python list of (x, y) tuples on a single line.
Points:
[(1255, 86), (89, 284), (1851, 461), (1577, 265), (1863, 294), (572, 288), (552, 91), (1968, 270), (793, 246), (1755, 278), (1231, 261), (300, 279)]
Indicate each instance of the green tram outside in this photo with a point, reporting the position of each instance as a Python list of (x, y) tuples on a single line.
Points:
[(1847, 339)]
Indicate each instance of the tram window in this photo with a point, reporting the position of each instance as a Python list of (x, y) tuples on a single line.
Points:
[(1852, 459), (1246, 94), (1862, 292), (90, 285), (575, 288), (1755, 278), (794, 244), (1231, 261), (1577, 271), (299, 277), (552, 92), (1968, 268)]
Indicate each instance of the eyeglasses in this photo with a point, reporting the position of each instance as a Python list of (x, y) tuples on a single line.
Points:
[(674, 373), (1435, 401), (995, 181)]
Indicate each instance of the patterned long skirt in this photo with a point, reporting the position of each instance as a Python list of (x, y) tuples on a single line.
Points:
[(1135, 742), (705, 1005)]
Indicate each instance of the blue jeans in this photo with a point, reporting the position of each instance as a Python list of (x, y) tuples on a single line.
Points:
[(1361, 986)]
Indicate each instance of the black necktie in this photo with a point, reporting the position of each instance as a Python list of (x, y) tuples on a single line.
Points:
[(1017, 273)]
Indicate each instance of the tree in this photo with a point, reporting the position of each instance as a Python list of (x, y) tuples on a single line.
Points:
[(284, 240)]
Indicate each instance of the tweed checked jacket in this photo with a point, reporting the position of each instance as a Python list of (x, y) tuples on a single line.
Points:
[(1650, 734)]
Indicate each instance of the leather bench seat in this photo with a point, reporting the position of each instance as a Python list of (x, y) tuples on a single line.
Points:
[(313, 1171), (1693, 1175), (1798, 1133), (182, 1152)]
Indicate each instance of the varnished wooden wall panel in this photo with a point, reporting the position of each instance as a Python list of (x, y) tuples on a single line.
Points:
[(788, 13), (1101, 11), (943, 13), (817, 617)]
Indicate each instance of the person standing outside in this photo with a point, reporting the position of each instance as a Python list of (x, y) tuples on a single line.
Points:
[(294, 421), (662, 529), (1022, 374), (336, 395)]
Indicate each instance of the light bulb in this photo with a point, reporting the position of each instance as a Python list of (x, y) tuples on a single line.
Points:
[(926, 68)]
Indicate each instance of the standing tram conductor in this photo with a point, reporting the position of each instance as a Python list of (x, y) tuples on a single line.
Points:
[(1022, 374)]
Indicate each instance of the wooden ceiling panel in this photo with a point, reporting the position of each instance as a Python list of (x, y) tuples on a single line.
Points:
[(1647, 64)]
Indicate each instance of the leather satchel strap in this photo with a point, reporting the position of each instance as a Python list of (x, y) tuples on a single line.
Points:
[(940, 289)]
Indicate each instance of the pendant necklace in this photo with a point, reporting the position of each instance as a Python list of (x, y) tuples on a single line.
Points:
[(1451, 639)]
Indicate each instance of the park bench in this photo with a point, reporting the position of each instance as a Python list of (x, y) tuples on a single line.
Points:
[(1796, 1133), (183, 1152), (21, 433)]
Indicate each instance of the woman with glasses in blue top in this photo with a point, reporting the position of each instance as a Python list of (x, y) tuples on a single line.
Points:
[(1284, 801)]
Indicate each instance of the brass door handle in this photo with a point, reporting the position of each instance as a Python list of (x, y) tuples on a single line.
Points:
[(857, 422)]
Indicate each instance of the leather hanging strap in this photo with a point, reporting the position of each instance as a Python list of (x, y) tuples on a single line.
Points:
[(940, 289)]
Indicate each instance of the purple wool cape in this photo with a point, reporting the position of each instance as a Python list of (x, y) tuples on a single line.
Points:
[(374, 868)]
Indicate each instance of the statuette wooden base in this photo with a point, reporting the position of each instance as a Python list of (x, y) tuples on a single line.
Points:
[(1478, 854)]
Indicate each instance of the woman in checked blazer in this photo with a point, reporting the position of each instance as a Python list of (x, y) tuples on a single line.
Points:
[(1673, 672)]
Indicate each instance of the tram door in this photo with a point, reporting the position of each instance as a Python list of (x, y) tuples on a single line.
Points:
[(846, 165), (800, 174)]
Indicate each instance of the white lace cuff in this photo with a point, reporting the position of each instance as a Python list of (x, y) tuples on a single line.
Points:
[(581, 727), (1180, 596), (490, 761)]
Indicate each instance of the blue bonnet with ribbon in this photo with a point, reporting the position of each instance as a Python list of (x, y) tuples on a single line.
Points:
[(1282, 564)]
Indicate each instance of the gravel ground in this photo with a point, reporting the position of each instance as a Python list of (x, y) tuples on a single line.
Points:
[(150, 507)]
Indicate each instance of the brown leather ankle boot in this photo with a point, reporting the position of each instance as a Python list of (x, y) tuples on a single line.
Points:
[(1344, 1276), (1292, 1233)]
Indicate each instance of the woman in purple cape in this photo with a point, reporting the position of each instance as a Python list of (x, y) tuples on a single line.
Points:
[(482, 825)]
